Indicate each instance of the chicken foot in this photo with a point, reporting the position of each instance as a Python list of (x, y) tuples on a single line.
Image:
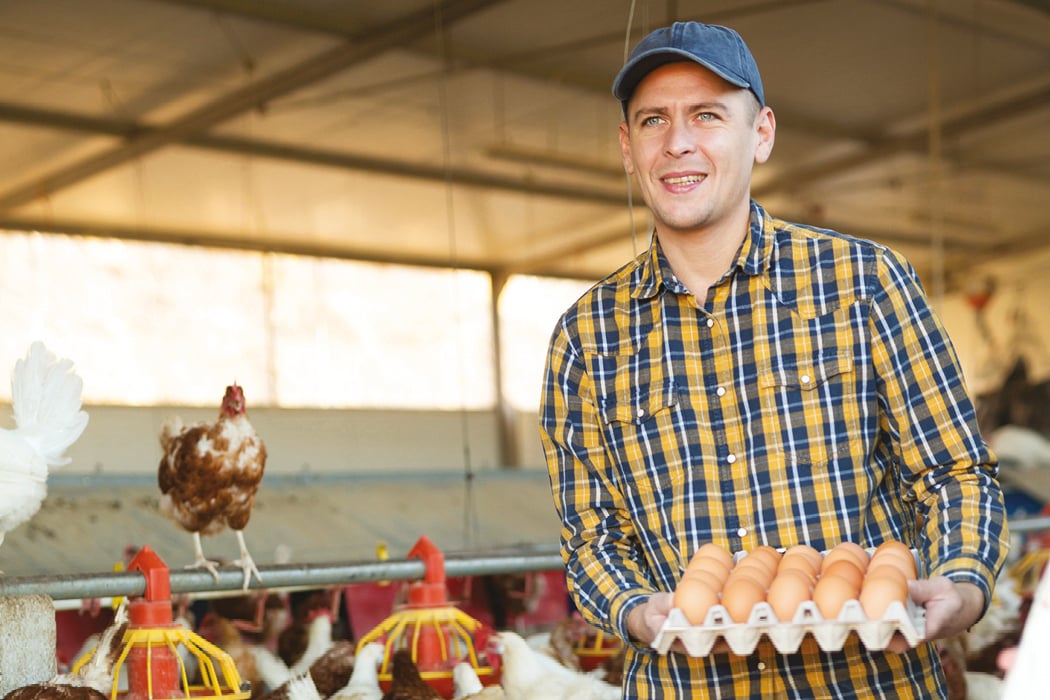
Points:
[(200, 562), (245, 561)]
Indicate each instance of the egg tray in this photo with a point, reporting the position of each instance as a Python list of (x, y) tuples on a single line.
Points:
[(742, 638)]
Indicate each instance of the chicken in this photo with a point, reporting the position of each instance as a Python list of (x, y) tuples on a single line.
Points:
[(209, 474), (310, 632), (406, 683), (45, 398), (1029, 676), (93, 680), (467, 686), (325, 676), (528, 674), (364, 680)]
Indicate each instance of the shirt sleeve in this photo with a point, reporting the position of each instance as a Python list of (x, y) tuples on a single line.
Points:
[(602, 560), (930, 423)]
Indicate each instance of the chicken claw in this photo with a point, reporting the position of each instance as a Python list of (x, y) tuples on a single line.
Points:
[(245, 561)]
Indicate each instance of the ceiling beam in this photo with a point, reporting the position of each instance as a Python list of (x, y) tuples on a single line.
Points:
[(914, 140), (371, 43)]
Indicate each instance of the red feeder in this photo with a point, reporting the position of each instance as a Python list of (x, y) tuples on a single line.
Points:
[(152, 642), (438, 634)]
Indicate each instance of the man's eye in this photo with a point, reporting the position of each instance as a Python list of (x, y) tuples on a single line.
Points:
[(651, 121), (706, 116)]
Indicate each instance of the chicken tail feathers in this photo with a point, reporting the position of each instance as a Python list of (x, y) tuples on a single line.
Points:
[(45, 396)]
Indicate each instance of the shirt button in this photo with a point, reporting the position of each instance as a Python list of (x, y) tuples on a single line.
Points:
[(804, 379), (742, 532), (710, 322), (641, 412), (731, 458), (761, 665), (721, 391)]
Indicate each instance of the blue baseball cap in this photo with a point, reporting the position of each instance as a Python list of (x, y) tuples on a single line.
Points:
[(719, 49)]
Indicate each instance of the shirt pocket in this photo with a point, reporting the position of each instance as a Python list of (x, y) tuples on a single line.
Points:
[(807, 374), (639, 404)]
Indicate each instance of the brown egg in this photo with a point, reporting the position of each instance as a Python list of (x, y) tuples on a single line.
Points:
[(715, 552), (881, 588), (740, 596), (847, 569), (846, 550), (810, 553), (831, 593), (694, 598), (896, 552), (753, 573), (789, 589), (709, 579), (799, 562), (712, 565), (762, 560)]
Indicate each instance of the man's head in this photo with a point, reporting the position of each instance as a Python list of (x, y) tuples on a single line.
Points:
[(718, 49)]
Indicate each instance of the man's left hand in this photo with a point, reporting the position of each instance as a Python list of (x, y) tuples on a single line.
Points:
[(951, 608)]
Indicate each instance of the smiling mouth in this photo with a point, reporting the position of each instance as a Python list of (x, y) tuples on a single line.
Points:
[(684, 180)]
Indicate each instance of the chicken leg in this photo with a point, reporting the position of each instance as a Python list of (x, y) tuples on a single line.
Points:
[(200, 562), (245, 561)]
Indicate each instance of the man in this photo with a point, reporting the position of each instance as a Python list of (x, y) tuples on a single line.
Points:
[(749, 381)]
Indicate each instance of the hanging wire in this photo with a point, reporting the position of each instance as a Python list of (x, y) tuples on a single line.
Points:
[(471, 525), (935, 159), (627, 175)]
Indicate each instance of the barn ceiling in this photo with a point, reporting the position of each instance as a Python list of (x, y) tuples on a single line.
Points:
[(482, 133)]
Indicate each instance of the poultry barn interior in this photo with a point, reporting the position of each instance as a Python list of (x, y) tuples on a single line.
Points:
[(369, 216)]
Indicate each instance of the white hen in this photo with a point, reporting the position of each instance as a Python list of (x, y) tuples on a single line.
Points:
[(531, 675), (364, 681), (1030, 675), (467, 686), (45, 397)]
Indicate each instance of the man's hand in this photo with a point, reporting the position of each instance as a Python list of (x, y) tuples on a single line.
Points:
[(950, 608), (645, 621)]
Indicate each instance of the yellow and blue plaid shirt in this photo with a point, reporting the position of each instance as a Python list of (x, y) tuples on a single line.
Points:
[(813, 398)]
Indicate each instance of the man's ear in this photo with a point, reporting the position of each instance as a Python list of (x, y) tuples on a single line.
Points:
[(766, 125), (625, 148)]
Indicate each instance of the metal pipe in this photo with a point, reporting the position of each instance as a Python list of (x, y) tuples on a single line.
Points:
[(132, 583)]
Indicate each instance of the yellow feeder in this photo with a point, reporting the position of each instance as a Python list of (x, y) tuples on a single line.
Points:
[(156, 670)]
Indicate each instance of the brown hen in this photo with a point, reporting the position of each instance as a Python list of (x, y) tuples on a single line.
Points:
[(406, 683), (209, 474)]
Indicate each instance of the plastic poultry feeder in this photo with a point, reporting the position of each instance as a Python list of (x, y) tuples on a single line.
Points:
[(156, 670), (595, 648), (438, 634)]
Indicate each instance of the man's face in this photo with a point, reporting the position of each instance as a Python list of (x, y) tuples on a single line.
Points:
[(691, 140)]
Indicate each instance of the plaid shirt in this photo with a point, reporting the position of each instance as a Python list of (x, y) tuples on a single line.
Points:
[(813, 398)]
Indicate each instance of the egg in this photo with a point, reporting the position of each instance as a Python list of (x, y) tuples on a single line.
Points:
[(712, 565), (758, 569), (800, 563), (810, 553), (849, 550), (880, 589), (898, 552), (709, 579), (848, 570), (715, 552), (789, 589), (831, 593), (694, 598), (740, 595)]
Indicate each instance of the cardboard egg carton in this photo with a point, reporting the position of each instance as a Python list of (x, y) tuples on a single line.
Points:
[(742, 637), (787, 637)]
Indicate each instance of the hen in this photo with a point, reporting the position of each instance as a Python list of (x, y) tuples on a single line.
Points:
[(528, 674), (364, 680), (406, 683), (209, 474), (45, 398), (93, 681)]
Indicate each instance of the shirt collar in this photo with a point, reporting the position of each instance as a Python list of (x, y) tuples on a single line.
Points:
[(654, 272)]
